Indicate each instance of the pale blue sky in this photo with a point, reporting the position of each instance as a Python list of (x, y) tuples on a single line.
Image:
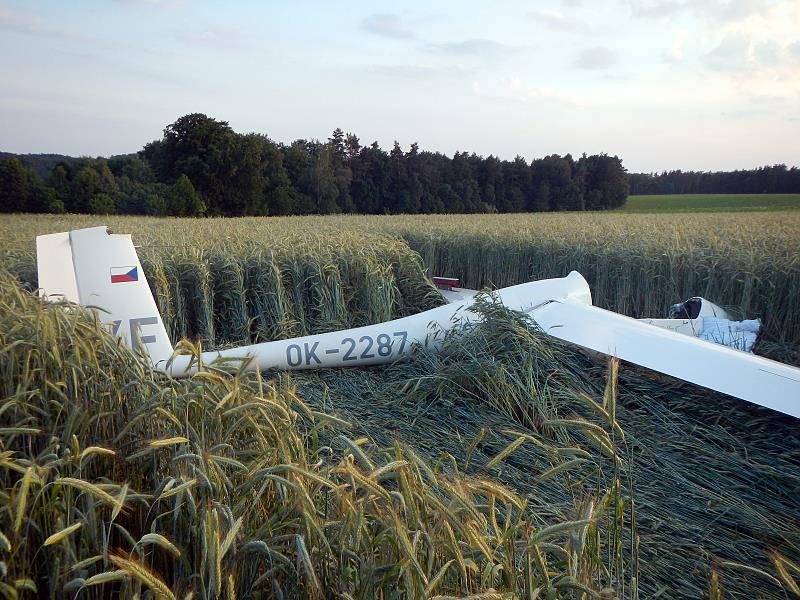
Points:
[(706, 84)]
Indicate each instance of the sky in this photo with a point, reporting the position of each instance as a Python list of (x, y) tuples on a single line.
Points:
[(664, 84)]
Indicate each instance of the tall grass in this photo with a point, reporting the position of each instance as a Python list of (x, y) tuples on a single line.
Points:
[(689, 493), (711, 202), (708, 483), (225, 284), (638, 265), (118, 482)]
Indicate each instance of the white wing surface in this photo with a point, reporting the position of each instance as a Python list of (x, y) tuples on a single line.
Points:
[(753, 378)]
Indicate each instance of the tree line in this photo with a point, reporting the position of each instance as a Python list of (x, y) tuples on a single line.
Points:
[(775, 179), (202, 167)]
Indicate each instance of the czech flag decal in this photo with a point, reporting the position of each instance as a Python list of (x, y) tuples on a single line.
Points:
[(124, 274)]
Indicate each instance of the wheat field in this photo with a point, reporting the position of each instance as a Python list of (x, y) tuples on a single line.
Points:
[(511, 466), (637, 265)]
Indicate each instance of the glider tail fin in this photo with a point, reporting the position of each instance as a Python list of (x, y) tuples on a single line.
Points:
[(99, 269)]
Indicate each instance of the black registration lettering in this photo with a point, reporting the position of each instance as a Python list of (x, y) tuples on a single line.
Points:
[(348, 355), (311, 353), (403, 335), (137, 339), (384, 345), (294, 355), (365, 353)]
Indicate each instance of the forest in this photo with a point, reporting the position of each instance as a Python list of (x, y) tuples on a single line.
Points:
[(201, 167), (775, 179)]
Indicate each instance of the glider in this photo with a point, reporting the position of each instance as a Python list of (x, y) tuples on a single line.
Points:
[(96, 268)]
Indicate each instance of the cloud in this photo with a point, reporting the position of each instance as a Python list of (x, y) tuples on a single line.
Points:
[(737, 52), (716, 11), (415, 72), (473, 47), (29, 25), (767, 54), (597, 57), (219, 37), (765, 99), (387, 25), (733, 10), (675, 54), (744, 113), (731, 54), (557, 20), (655, 9), (514, 90)]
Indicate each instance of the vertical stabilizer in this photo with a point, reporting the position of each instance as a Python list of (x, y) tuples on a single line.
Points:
[(55, 268), (105, 275)]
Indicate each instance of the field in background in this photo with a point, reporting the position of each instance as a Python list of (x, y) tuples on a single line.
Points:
[(224, 281), (637, 265), (710, 203), (235, 281)]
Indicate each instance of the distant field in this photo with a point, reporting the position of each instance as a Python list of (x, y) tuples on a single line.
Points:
[(711, 203)]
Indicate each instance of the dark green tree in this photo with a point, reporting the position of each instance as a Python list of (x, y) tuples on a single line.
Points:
[(517, 178), (17, 183), (278, 192), (605, 183), (541, 197), (299, 164), (59, 180), (321, 180), (183, 200), (370, 187), (245, 188), (400, 198), (553, 184), (155, 205), (230, 174), (342, 174), (132, 166), (101, 204), (44, 199), (490, 179), (206, 151), (89, 178)]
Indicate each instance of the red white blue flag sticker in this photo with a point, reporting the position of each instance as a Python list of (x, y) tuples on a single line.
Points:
[(124, 274)]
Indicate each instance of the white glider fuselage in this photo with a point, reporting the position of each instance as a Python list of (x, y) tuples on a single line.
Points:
[(95, 268), (388, 341)]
